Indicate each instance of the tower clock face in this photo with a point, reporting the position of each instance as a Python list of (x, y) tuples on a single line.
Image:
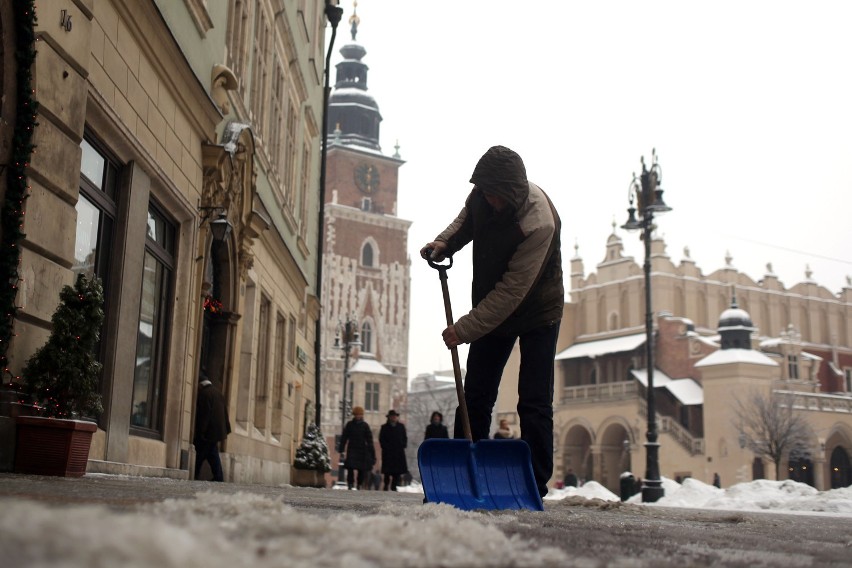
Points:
[(367, 178)]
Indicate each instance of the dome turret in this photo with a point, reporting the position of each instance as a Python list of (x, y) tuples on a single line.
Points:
[(352, 109), (735, 326)]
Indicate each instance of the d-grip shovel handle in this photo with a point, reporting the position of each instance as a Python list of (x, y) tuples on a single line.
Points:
[(448, 311)]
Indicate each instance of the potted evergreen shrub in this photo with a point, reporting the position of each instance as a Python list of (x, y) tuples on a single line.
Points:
[(61, 378), (312, 460)]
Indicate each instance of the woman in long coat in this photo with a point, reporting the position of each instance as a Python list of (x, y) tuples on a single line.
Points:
[(357, 444), (393, 439)]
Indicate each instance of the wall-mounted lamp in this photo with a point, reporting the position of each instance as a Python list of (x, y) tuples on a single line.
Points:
[(220, 226)]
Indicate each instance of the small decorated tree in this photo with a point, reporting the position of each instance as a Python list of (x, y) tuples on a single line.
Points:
[(62, 376), (312, 453)]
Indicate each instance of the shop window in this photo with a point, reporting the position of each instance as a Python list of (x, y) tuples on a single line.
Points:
[(149, 376)]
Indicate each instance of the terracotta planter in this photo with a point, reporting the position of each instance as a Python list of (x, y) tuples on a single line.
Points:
[(307, 478), (50, 446)]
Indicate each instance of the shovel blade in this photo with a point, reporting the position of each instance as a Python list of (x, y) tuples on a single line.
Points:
[(489, 474)]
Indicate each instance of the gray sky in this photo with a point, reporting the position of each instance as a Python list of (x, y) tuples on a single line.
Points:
[(748, 103)]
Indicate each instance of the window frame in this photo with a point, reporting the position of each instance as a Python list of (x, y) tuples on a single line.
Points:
[(160, 350)]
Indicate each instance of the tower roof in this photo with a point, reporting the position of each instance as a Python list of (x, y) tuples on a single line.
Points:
[(351, 109)]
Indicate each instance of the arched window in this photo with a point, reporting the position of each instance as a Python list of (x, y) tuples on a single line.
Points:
[(613, 321), (367, 255), (366, 336)]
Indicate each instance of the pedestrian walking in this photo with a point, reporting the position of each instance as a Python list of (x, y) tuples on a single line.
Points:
[(356, 444), (517, 295), (436, 428), (717, 481), (212, 426), (393, 439)]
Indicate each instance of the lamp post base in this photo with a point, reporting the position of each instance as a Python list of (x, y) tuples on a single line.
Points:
[(652, 490)]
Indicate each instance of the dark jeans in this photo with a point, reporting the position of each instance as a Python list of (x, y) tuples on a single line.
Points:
[(485, 362), (209, 451)]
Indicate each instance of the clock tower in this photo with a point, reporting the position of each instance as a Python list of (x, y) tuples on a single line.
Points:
[(366, 269)]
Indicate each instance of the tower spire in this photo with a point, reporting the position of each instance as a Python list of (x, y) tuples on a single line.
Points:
[(354, 20)]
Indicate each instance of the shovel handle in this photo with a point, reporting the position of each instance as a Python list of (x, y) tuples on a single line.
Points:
[(448, 311)]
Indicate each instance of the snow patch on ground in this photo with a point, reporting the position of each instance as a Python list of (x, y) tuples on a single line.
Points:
[(222, 531)]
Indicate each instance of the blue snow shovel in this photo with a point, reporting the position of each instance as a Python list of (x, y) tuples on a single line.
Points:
[(489, 474)]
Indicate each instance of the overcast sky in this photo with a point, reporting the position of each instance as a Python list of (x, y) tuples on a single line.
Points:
[(748, 103)]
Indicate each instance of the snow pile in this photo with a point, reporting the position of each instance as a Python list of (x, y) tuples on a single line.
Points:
[(759, 495), (222, 531), (589, 490)]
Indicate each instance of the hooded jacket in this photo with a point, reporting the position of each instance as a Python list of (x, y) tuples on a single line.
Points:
[(517, 264)]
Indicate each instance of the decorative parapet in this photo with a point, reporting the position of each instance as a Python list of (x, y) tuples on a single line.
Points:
[(599, 393), (815, 402)]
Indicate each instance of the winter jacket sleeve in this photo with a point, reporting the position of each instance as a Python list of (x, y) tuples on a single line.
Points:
[(459, 232), (344, 438)]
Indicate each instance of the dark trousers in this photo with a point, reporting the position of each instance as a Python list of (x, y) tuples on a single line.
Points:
[(350, 477), (392, 481), (485, 362), (209, 451)]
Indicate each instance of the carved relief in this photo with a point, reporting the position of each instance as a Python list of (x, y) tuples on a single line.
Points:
[(229, 182)]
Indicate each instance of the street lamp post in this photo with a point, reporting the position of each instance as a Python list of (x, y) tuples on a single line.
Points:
[(648, 197), (347, 337)]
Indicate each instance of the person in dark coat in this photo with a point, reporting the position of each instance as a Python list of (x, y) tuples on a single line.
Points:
[(436, 428), (356, 444), (211, 427), (571, 479), (518, 297), (393, 440)]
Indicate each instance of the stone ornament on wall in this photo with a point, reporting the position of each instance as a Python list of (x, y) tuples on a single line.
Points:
[(222, 80)]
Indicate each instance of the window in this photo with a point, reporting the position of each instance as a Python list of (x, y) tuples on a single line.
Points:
[(366, 204), (367, 255), (792, 367), (263, 347), (684, 416), (848, 373), (303, 190), (371, 397), (236, 38), (259, 76), (278, 374), (262, 378), (367, 337), (152, 333), (96, 212), (291, 336)]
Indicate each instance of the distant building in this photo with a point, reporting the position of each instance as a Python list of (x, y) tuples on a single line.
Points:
[(797, 349), (157, 119), (366, 269)]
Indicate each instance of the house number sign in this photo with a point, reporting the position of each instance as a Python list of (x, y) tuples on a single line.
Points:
[(65, 20)]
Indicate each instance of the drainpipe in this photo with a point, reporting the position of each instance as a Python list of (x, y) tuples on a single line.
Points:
[(333, 13)]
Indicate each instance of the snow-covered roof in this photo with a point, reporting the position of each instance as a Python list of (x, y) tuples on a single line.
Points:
[(600, 347), (687, 391), (724, 356), (367, 363), (660, 378)]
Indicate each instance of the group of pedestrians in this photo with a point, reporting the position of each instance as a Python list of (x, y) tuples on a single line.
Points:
[(356, 444)]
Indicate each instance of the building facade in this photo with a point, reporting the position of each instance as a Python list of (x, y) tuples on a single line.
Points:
[(366, 269), (798, 353), (157, 120)]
